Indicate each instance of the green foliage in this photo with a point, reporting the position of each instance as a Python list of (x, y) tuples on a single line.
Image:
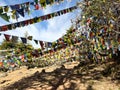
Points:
[(19, 48), (7, 45)]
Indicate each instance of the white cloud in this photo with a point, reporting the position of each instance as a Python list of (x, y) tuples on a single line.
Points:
[(56, 28)]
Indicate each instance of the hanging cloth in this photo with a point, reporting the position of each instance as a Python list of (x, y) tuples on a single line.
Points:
[(24, 40), (21, 12), (36, 41), (5, 17), (43, 3), (36, 1), (42, 44), (15, 7), (1, 10), (4, 28), (49, 44), (6, 9), (7, 37), (37, 7), (14, 39), (29, 37)]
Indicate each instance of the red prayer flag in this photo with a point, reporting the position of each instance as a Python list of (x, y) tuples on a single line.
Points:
[(4, 28), (42, 44), (37, 7), (7, 37)]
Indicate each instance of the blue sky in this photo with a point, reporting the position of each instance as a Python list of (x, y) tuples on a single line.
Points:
[(49, 30)]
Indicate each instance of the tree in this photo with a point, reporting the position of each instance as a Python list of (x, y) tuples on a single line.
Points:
[(7, 45), (101, 15), (102, 12)]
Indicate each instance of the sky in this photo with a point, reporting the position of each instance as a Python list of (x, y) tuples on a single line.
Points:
[(49, 30)]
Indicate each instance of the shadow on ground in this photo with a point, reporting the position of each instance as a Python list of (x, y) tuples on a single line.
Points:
[(65, 79)]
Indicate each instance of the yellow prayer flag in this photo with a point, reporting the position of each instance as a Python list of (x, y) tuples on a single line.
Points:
[(14, 11), (13, 16), (38, 20), (6, 9), (42, 3)]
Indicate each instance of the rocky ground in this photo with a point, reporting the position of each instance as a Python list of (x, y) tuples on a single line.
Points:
[(71, 76)]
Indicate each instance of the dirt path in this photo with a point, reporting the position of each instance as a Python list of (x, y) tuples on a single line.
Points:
[(58, 78), (23, 72)]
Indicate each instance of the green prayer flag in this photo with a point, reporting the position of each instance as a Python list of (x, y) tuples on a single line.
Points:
[(38, 19), (5, 17), (19, 63), (14, 59), (53, 15), (36, 1), (110, 55), (1, 10)]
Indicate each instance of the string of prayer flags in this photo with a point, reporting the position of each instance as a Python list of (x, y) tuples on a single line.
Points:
[(18, 9), (36, 19), (14, 39), (26, 7)]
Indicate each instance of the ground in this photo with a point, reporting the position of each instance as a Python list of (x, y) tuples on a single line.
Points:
[(74, 76)]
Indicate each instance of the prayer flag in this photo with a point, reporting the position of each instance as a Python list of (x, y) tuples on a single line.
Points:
[(36, 41), (6, 8), (21, 12), (5, 17), (42, 44), (29, 37), (24, 40), (7, 37), (1, 10), (4, 28)]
